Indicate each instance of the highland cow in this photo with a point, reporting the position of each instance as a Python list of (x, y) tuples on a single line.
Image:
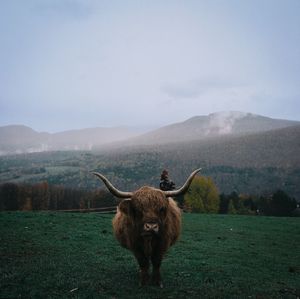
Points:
[(147, 222)]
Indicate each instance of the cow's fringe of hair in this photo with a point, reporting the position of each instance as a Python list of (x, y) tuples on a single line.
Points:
[(147, 198)]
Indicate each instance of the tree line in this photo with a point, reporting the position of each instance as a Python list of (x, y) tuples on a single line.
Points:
[(43, 196), (202, 197)]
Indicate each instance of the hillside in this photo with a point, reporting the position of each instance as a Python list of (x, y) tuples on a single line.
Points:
[(254, 164), (21, 139), (275, 148), (248, 157), (212, 126), (18, 139)]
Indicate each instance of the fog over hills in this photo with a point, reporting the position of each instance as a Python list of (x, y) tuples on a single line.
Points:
[(213, 126), (21, 139), (278, 148), (17, 139)]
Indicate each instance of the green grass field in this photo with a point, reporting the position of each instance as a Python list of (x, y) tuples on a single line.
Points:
[(62, 255)]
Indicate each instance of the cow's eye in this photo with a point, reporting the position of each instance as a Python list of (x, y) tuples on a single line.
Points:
[(162, 210), (136, 212)]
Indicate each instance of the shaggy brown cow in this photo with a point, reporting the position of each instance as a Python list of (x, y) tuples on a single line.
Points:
[(147, 222)]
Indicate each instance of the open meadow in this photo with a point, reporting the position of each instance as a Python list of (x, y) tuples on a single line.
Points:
[(75, 255)]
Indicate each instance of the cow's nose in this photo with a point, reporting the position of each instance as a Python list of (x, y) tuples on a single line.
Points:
[(148, 227)]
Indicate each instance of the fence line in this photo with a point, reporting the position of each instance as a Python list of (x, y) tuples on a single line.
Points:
[(99, 210)]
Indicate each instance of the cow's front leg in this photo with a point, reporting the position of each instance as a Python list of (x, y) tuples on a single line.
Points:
[(156, 263), (143, 262)]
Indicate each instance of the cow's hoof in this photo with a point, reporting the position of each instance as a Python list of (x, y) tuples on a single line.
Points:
[(157, 282), (144, 278)]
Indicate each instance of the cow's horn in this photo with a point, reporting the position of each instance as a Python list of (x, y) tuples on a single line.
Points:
[(184, 188), (111, 188)]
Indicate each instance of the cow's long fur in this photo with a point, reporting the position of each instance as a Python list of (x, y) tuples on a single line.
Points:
[(147, 222), (147, 204)]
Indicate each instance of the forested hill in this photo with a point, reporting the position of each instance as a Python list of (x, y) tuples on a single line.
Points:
[(212, 126), (253, 164), (276, 148), (21, 139)]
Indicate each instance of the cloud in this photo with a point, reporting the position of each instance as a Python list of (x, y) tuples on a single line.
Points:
[(195, 88), (65, 8), (180, 92), (159, 61), (223, 122)]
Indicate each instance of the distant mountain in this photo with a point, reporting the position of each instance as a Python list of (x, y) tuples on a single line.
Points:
[(212, 126), (279, 148), (21, 139), (18, 139)]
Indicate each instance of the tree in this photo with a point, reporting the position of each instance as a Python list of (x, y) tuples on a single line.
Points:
[(281, 204), (9, 197), (224, 202), (25, 197), (246, 205), (263, 204), (231, 207), (278, 204), (203, 196), (40, 196)]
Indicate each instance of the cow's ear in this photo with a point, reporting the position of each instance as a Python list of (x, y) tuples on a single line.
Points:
[(125, 206)]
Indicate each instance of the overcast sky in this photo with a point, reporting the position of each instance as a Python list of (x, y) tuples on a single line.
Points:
[(68, 64)]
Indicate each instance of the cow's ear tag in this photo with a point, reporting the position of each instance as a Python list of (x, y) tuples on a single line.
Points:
[(124, 206)]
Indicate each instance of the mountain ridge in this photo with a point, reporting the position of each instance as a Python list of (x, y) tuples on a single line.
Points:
[(17, 139), (212, 126)]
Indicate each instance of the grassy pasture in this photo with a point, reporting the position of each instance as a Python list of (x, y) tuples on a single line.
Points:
[(62, 255)]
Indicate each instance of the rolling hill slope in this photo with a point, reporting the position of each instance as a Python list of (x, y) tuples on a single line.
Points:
[(212, 126), (275, 148), (254, 164), (18, 139)]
